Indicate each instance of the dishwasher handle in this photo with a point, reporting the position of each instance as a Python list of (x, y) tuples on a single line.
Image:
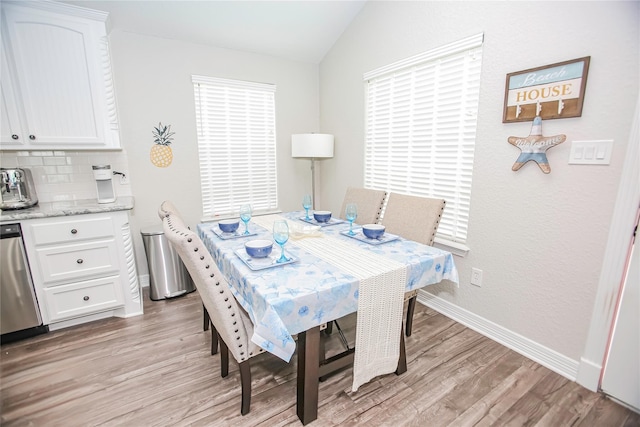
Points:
[(10, 230)]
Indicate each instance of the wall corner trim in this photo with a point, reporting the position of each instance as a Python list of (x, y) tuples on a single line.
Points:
[(589, 374)]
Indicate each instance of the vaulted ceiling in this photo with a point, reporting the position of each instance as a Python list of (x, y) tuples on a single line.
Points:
[(294, 30)]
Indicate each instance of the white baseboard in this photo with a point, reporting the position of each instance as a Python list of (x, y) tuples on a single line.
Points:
[(548, 358)]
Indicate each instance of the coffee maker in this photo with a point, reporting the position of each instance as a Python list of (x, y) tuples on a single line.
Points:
[(18, 190), (104, 183)]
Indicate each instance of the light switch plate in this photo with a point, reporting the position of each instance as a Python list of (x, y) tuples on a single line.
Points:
[(591, 152)]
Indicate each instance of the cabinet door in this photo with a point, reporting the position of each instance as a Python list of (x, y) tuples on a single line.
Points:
[(58, 76), (12, 134)]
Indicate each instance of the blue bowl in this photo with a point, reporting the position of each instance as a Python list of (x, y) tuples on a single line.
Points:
[(258, 248), (373, 231), (228, 225), (322, 216)]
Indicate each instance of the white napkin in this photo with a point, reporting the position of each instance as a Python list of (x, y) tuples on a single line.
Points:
[(299, 231)]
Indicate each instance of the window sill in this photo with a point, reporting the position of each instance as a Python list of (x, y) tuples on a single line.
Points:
[(455, 248)]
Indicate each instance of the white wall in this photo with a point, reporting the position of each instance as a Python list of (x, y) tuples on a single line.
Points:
[(153, 84), (539, 239)]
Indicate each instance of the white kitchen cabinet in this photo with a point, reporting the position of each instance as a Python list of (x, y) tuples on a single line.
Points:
[(57, 90), (11, 133), (82, 267)]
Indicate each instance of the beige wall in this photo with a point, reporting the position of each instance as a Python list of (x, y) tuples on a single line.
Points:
[(539, 239), (153, 84)]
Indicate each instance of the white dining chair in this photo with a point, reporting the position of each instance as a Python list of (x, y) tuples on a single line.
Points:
[(167, 208), (231, 325), (368, 201), (370, 204), (414, 218)]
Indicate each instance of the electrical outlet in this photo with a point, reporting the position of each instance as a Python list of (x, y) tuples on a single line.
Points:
[(476, 277), (124, 179)]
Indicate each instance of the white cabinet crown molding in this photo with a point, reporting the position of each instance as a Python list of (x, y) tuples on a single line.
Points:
[(67, 9)]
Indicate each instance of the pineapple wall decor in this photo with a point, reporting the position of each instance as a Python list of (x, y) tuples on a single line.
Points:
[(161, 155)]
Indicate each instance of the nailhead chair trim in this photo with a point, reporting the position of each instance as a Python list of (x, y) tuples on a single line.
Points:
[(221, 307)]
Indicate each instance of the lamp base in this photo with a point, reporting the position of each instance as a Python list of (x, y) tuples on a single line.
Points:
[(313, 183)]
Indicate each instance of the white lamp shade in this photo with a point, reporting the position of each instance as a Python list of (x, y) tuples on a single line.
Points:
[(312, 145)]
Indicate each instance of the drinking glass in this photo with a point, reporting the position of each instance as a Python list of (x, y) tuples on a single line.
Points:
[(351, 213), (281, 235), (306, 204), (245, 216)]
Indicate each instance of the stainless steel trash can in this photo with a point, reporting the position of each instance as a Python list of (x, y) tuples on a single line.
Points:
[(168, 277)]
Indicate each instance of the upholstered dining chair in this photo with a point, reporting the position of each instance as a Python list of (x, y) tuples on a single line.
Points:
[(231, 325), (415, 218), (168, 208), (369, 202)]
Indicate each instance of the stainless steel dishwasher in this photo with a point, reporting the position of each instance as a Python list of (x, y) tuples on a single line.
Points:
[(19, 312)]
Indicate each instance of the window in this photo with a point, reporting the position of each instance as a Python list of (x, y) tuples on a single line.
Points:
[(421, 127), (236, 144)]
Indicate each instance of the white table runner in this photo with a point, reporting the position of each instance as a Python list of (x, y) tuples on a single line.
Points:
[(380, 300)]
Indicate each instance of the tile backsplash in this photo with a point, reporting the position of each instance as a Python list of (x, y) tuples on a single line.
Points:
[(68, 175)]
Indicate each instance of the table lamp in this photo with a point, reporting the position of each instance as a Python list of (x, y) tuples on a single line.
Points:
[(312, 146)]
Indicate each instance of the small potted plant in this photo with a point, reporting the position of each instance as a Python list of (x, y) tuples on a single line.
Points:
[(161, 155)]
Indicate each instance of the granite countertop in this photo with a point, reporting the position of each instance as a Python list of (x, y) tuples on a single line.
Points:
[(66, 208)]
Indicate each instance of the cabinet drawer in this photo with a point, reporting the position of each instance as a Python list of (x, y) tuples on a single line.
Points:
[(75, 262), (72, 230), (83, 298)]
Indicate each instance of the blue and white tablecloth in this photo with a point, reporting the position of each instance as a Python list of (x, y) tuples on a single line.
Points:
[(285, 300)]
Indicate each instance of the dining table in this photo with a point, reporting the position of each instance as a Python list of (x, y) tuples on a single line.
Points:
[(321, 281)]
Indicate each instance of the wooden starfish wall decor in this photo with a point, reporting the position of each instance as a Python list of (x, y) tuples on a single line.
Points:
[(534, 147)]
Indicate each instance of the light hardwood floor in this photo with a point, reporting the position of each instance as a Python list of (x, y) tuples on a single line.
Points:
[(156, 370)]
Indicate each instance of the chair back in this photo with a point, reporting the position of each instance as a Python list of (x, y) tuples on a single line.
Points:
[(229, 319), (369, 202), (412, 217), (167, 208)]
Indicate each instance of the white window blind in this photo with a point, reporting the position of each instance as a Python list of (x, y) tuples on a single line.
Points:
[(236, 145), (421, 128)]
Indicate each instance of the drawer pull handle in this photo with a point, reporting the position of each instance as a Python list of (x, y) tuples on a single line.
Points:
[(14, 136), (32, 137), (86, 298), (79, 261), (74, 231)]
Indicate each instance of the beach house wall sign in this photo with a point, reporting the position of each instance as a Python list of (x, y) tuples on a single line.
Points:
[(554, 91)]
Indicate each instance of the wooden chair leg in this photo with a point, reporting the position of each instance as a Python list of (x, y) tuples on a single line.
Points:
[(402, 360), (329, 329), (410, 309), (214, 340), (206, 319), (323, 355), (224, 358), (245, 380)]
